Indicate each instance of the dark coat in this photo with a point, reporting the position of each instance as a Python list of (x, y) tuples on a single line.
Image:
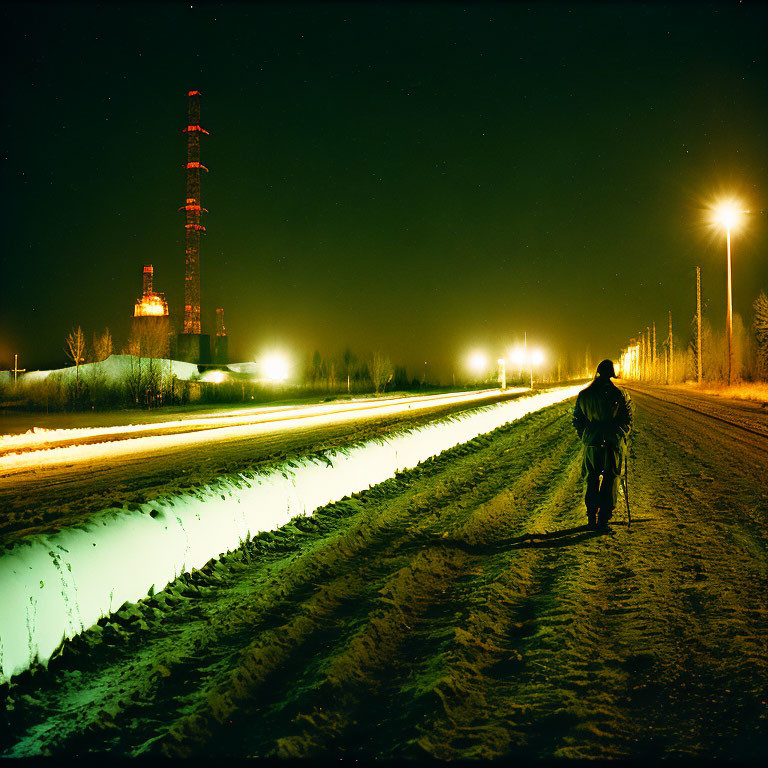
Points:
[(603, 418)]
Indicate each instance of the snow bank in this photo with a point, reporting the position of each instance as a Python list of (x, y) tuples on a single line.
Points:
[(54, 587), (114, 369)]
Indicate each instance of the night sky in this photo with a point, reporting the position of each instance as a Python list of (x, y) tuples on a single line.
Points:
[(424, 179)]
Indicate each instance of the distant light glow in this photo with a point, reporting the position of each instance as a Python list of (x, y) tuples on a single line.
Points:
[(517, 355), (478, 362), (275, 367), (537, 357), (215, 377)]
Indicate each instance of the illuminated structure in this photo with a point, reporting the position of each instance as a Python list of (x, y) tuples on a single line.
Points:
[(220, 343), (192, 345), (150, 332), (150, 304)]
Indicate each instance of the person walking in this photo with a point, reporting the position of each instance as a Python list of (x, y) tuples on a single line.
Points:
[(603, 419)]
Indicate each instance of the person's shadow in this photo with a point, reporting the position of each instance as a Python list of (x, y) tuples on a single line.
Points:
[(563, 538)]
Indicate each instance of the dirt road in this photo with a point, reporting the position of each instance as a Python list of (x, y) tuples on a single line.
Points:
[(459, 610)]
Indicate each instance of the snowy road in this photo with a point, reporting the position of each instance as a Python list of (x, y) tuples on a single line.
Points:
[(53, 478), (459, 610)]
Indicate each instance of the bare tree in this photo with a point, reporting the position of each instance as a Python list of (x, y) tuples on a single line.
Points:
[(75, 352), (760, 325), (380, 370), (149, 339), (102, 345)]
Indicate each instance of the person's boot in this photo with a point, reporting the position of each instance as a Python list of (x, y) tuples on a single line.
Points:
[(603, 518), (591, 520)]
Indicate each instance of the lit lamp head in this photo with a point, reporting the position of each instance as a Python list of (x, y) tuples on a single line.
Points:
[(728, 215), (537, 357), (518, 356), (478, 362), (275, 367)]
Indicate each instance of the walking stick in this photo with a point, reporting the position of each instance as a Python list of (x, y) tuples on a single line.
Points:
[(626, 488)]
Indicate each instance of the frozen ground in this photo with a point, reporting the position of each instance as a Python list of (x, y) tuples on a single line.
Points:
[(458, 610)]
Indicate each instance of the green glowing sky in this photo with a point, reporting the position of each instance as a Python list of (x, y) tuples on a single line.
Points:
[(424, 179)]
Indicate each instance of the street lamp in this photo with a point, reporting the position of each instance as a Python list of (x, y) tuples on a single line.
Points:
[(728, 216)]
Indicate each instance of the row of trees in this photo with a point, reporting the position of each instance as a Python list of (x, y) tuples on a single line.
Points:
[(674, 358)]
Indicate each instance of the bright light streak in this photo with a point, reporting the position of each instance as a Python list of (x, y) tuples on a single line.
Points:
[(268, 421), (275, 367)]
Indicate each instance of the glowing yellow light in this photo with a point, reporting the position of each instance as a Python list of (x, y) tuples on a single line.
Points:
[(537, 357), (151, 305), (518, 356), (500, 361), (275, 367), (728, 214), (216, 377), (478, 362)]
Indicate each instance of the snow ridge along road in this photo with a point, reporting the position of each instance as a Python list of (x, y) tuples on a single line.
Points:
[(59, 585)]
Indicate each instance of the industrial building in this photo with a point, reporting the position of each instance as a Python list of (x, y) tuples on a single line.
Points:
[(150, 331)]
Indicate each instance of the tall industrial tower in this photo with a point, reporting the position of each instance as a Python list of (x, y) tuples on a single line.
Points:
[(193, 345)]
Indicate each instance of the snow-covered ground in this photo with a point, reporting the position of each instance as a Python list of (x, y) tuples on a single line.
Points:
[(59, 585), (457, 611), (114, 369)]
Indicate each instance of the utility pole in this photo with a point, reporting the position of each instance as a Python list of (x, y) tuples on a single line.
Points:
[(642, 355), (698, 325), (649, 360), (671, 358), (654, 350), (16, 369), (729, 316)]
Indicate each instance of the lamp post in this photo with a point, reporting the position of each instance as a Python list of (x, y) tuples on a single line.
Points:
[(727, 215)]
